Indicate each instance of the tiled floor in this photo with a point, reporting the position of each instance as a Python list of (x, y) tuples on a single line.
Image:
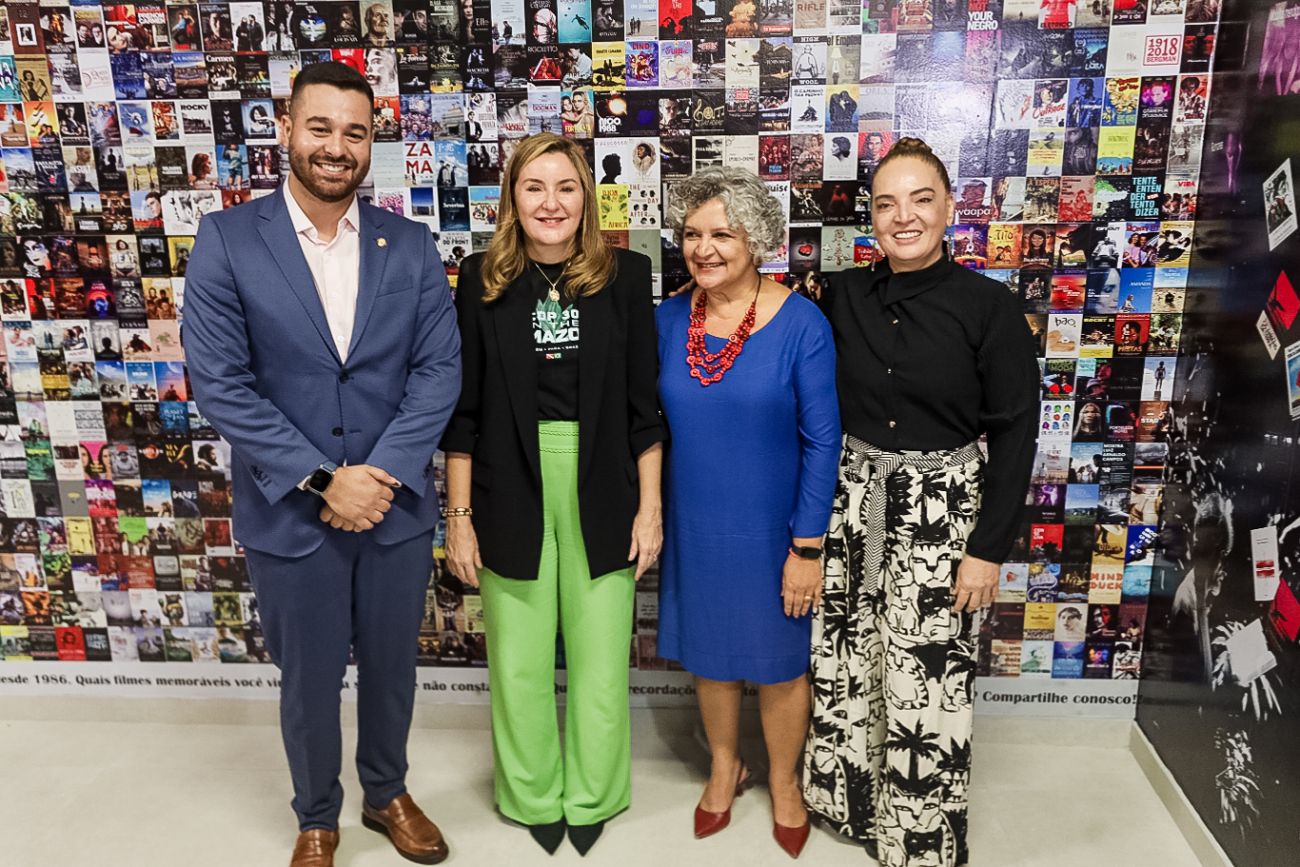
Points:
[(203, 784)]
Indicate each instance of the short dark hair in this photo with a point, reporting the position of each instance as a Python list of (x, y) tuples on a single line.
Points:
[(334, 74)]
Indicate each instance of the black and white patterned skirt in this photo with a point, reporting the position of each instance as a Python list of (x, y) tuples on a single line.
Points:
[(893, 666)]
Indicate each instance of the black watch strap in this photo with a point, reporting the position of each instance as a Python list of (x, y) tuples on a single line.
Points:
[(806, 552)]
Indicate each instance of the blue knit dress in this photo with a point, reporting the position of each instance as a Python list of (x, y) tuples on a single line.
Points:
[(752, 463)]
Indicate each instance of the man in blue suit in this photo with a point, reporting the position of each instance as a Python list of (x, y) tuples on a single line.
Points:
[(323, 345)]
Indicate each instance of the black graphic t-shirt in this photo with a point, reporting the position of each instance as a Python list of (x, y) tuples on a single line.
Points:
[(555, 338)]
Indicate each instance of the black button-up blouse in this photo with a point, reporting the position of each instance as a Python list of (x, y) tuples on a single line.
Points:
[(930, 360)]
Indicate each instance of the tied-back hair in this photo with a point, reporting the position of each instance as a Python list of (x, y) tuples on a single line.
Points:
[(593, 263), (917, 148)]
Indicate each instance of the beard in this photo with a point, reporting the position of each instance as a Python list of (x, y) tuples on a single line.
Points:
[(301, 164)]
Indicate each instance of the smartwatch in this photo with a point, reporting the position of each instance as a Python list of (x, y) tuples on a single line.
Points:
[(318, 481), (806, 552)]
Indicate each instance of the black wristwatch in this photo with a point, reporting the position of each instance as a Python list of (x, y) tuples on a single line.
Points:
[(806, 552), (318, 481)]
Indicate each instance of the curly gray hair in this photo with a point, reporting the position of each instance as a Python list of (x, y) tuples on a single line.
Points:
[(749, 204)]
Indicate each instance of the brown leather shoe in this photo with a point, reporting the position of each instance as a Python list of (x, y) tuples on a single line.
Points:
[(413, 836), (315, 848)]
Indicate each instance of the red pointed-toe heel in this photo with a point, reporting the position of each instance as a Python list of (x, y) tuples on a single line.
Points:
[(708, 823), (792, 840)]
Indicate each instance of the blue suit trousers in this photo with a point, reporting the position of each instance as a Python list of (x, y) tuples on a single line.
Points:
[(349, 595)]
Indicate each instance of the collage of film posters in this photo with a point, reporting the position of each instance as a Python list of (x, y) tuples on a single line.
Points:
[(1072, 130)]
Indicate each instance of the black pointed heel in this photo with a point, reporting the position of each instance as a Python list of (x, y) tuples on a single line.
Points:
[(583, 837), (548, 836)]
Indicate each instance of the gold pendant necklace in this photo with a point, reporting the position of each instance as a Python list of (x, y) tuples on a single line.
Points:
[(554, 293)]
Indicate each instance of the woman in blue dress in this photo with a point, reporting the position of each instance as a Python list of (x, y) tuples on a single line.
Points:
[(747, 383)]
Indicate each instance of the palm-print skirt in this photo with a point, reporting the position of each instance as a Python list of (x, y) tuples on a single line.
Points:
[(888, 753)]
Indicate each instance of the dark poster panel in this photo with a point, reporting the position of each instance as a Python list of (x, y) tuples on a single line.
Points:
[(1220, 691)]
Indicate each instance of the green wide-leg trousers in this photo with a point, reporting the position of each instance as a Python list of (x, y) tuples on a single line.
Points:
[(589, 780)]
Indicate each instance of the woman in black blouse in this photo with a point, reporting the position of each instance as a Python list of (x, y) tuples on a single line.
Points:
[(930, 357), (553, 505)]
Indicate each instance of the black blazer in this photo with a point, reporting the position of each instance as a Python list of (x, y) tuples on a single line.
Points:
[(496, 418)]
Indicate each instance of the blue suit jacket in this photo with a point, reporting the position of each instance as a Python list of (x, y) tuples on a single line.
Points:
[(266, 374)]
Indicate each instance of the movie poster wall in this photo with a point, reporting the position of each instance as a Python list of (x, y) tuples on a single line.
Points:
[(1220, 693), (1072, 131)]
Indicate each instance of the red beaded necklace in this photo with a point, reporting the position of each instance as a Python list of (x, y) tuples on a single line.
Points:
[(709, 367)]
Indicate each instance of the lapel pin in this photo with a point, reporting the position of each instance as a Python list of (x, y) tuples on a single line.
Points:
[(381, 242)]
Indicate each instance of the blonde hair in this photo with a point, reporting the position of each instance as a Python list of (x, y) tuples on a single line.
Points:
[(593, 263)]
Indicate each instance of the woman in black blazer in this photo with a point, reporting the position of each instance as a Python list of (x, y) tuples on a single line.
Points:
[(553, 467)]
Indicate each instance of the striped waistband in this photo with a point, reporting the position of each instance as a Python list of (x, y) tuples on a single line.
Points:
[(557, 436), (864, 451)]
